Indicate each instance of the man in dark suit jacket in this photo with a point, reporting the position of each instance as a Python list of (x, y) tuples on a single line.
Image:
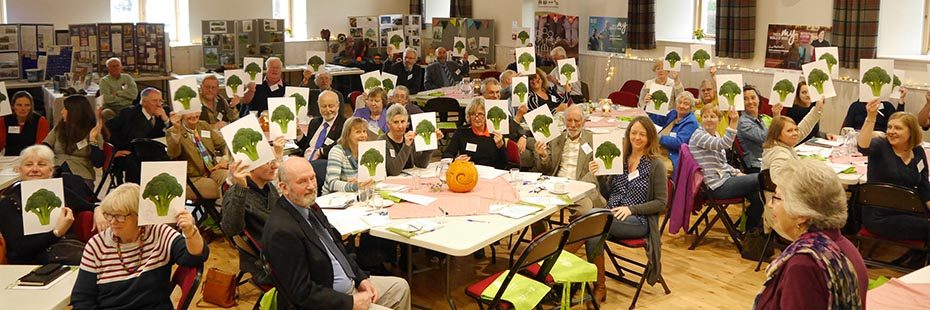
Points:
[(311, 267), (147, 120), (435, 75), (408, 72), (314, 145)]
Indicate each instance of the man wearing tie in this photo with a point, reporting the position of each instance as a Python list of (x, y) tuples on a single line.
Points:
[(311, 266), (408, 73), (323, 132), (147, 120), (443, 72)]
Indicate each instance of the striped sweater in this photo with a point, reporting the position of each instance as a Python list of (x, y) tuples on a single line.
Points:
[(340, 167), (709, 152), (107, 279)]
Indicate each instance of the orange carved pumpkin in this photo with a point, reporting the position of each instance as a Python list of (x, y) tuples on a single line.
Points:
[(462, 176)]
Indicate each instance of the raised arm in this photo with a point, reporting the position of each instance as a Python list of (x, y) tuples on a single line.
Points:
[(865, 135)]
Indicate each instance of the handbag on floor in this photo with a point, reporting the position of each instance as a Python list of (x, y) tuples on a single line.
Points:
[(219, 289)]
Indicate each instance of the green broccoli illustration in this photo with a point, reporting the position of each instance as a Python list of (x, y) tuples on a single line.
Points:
[(371, 159), (282, 116), (541, 124), (659, 98), (895, 82), (252, 69), (372, 82), (246, 142), (567, 70), (520, 90), (526, 59), (783, 88), (816, 78), (234, 82), (370, 33), (459, 46), (299, 101), (425, 130), (387, 84), (875, 78), (729, 90), (315, 62), (41, 203), (184, 94), (672, 59), (161, 190), (607, 151), (523, 36), (2, 97), (831, 61), (396, 40), (496, 115), (701, 56)]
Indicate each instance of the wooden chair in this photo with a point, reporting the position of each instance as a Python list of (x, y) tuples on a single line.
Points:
[(632, 86), (187, 279), (624, 98), (895, 198)]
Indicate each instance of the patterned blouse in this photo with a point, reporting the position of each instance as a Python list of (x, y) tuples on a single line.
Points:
[(626, 192)]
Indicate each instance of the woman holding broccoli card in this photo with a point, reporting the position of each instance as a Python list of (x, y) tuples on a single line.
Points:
[(678, 125), (542, 95), (342, 167), (374, 112), (663, 77), (475, 143), (401, 153)]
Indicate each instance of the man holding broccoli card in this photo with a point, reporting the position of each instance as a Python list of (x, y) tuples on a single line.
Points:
[(256, 96), (444, 72), (147, 120), (216, 111)]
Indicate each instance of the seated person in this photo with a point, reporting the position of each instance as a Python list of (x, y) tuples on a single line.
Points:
[(708, 94), (36, 163), (256, 96), (542, 95), (401, 154), (374, 112), (322, 80), (897, 159), (118, 90), (506, 80), (635, 197), (246, 206), (325, 130), (77, 139), (473, 142), (342, 167), (408, 73), (24, 127), (490, 90), (216, 111), (445, 72), (136, 275), (857, 114), (801, 108), (402, 97), (677, 126), (558, 53), (923, 117), (314, 270), (203, 148), (752, 130), (663, 77), (146, 120), (725, 182)]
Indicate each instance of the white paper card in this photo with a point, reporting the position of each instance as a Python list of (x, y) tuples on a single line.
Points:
[(163, 185), (702, 57), (672, 59), (236, 81), (542, 124), (417, 199), (784, 88), (875, 79), (252, 146), (316, 60), (519, 90), (498, 115), (5, 108), (831, 56), (301, 97), (253, 67), (818, 81), (282, 121), (896, 81), (730, 91), (370, 80), (185, 97), (41, 205), (526, 60), (458, 46), (608, 153), (388, 82), (371, 160), (396, 40), (661, 99), (568, 71), (424, 125), (521, 37)]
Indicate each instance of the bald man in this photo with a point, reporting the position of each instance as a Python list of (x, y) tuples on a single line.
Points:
[(444, 72), (256, 96), (323, 132)]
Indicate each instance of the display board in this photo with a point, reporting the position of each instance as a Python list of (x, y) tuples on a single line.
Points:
[(59, 61), (478, 34), (116, 40), (376, 28), (151, 47), (219, 44), (259, 38)]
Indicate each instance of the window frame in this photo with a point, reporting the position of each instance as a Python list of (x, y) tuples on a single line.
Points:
[(698, 19), (176, 38)]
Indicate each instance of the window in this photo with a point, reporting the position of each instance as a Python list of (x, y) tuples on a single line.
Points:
[(706, 17), (294, 14), (175, 14), (435, 8), (674, 21), (900, 28)]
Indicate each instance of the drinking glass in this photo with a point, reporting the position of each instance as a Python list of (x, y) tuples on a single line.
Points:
[(514, 176), (415, 175), (363, 196)]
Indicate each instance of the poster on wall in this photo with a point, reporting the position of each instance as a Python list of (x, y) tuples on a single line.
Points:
[(607, 34), (791, 46), (555, 30)]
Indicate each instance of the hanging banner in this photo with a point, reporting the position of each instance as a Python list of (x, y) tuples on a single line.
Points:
[(607, 34)]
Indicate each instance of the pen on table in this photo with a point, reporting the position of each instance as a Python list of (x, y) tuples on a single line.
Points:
[(477, 221)]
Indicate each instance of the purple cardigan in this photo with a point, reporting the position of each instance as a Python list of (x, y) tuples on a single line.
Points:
[(686, 186), (365, 113)]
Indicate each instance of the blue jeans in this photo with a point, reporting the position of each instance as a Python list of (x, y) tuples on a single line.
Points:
[(632, 227), (746, 186)]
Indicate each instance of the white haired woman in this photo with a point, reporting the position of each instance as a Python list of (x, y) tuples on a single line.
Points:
[(821, 269), (129, 265), (677, 126)]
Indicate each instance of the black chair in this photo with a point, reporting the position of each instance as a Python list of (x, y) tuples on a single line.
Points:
[(765, 180), (895, 198), (313, 107), (585, 92), (149, 150), (719, 206), (109, 171), (319, 167), (450, 114)]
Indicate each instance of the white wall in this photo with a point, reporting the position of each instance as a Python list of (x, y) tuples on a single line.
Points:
[(61, 13), (897, 24), (333, 14), (201, 10)]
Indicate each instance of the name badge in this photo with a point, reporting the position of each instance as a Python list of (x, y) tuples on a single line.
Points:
[(219, 116), (471, 147), (12, 129), (328, 141), (393, 154), (274, 87), (82, 144), (632, 175), (586, 148), (920, 166), (205, 134), (410, 77), (458, 71), (673, 134)]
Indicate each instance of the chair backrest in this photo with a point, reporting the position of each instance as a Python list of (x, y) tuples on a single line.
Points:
[(447, 110), (765, 180), (890, 196), (624, 98), (739, 152), (694, 91), (490, 74), (632, 86), (149, 150), (83, 225), (764, 107), (668, 204), (352, 97), (188, 279), (585, 92), (592, 225), (513, 153), (545, 247), (108, 152), (319, 167), (313, 106)]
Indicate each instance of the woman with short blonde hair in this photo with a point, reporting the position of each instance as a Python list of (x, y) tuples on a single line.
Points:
[(475, 142), (663, 77), (342, 164)]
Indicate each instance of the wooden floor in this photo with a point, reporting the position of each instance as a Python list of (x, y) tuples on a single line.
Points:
[(713, 276)]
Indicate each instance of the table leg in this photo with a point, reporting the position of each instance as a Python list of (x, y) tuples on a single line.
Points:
[(449, 282)]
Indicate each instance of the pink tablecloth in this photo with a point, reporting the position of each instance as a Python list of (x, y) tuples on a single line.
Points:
[(476, 202), (610, 119)]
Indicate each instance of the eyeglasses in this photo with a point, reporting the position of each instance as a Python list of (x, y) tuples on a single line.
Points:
[(776, 198), (119, 218)]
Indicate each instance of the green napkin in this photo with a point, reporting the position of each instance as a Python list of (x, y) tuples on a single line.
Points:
[(269, 300), (625, 118), (387, 195), (850, 170), (403, 232), (566, 199), (524, 293), (817, 157), (877, 282)]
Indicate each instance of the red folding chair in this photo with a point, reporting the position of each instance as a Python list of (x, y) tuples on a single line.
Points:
[(513, 154), (108, 152), (632, 86), (83, 225), (188, 279), (889, 197), (694, 91), (719, 206), (624, 98)]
